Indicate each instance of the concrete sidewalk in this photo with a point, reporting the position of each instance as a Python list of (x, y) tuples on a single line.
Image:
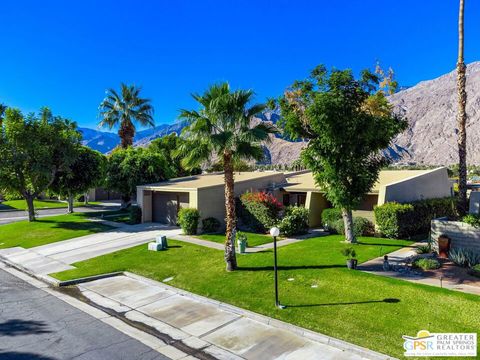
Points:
[(58, 256), (220, 330)]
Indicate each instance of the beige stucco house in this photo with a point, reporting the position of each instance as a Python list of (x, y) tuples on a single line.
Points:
[(160, 202)]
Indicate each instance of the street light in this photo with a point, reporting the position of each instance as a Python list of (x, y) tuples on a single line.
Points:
[(275, 231)]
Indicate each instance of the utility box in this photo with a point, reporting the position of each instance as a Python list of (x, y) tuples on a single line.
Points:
[(154, 246), (162, 239)]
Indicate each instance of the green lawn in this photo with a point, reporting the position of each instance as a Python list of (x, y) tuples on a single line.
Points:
[(47, 230), (253, 238), (368, 310), (122, 216), (39, 204)]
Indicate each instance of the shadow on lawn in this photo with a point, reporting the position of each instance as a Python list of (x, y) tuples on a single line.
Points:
[(298, 267), (381, 245), (74, 225), (387, 300)]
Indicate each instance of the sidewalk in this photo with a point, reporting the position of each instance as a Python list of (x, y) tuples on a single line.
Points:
[(209, 326), (448, 276)]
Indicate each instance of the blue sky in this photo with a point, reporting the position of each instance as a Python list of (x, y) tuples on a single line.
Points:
[(65, 54)]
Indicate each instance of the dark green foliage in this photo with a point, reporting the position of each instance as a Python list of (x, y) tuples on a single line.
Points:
[(188, 220), (349, 252), (361, 227), (295, 221), (427, 264), (330, 217), (260, 210), (423, 249), (396, 220), (210, 225), (472, 219), (135, 215)]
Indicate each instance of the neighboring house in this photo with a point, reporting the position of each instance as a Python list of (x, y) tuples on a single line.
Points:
[(160, 202)]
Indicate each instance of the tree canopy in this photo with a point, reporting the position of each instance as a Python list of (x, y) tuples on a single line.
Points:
[(348, 123), (34, 148)]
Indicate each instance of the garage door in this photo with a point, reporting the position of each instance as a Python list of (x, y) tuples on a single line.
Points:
[(165, 206)]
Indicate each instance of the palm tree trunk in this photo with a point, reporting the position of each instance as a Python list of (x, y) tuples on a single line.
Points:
[(126, 134), (348, 222), (461, 117), (231, 220)]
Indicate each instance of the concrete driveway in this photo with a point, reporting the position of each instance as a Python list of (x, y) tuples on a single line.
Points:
[(58, 256)]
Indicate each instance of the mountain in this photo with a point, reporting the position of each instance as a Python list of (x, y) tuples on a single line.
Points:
[(430, 108)]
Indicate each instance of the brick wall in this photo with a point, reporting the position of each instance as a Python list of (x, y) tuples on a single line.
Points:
[(462, 235)]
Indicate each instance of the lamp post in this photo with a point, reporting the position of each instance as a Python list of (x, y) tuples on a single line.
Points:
[(275, 231)]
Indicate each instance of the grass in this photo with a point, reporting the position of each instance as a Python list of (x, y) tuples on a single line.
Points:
[(47, 230), (368, 310), (122, 216), (254, 239), (39, 204)]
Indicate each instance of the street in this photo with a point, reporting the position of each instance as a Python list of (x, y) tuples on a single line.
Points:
[(35, 325)]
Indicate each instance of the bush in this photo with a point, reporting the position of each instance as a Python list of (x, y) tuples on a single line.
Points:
[(427, 264), (210, 225), (329, 217), (464, 257), (361, 227), (295, 221), (260, 210), (135, 215), (188, 220), (241, 236), (424, 249), (396, 220), (349, 252), (472, 219)]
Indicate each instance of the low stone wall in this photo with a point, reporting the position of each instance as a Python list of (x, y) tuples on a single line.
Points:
[(462, 235)]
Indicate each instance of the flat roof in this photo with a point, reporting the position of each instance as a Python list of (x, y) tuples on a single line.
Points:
[(195, 182), (302, 182)]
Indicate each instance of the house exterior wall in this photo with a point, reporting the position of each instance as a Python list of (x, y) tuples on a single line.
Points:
[(428, 185), (315, 203), (461, 234)]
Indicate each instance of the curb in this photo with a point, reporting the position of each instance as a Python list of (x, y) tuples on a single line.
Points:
[(45, 278)]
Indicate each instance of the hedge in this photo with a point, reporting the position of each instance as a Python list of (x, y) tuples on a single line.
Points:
[(259, 210), (295, 221), (394, 220), (361, 226), (330, 217), (188, 220)]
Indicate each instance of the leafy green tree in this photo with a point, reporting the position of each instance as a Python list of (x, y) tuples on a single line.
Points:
[(124, 110), (34, 150), (3, 108), (348, 123), (86, 172), (167, 146), (222, 127), (127, 168)]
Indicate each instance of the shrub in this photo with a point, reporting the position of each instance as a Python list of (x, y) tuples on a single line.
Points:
[(396, 220), (472, 219), (361, 227), (424, 249), (349, 252), (210, 225), (135, 215), (188, 220), (260, 210), (295, 221), (464, 257), (329, 217), (241, 236), (476, 270), (427, 264)]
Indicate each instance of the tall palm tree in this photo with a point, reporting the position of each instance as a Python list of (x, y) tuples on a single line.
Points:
[(222, 127), (124, 110), (461, 117)]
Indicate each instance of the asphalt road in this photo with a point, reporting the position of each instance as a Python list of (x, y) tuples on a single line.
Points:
[(7, 217), (35, 325)]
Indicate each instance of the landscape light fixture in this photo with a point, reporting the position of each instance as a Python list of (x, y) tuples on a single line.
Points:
[(275, 231)]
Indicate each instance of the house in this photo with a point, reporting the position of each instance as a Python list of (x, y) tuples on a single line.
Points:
[(160, 202)]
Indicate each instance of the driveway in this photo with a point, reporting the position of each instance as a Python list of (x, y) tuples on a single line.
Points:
[(58, 256), (7, 217), (35, 325)]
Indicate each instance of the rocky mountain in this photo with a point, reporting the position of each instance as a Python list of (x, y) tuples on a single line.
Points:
[(430, 108)]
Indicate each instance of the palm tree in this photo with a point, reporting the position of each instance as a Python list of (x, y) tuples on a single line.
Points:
[(123, 110), (461, 117), (222, 127)]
